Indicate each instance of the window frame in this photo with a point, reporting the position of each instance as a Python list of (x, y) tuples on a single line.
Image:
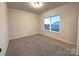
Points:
[(50, 24)]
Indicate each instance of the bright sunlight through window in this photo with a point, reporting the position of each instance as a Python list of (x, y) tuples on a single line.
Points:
[(52, 23)]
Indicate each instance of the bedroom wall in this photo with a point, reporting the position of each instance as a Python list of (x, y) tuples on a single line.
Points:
[(3, 28), (22, 23), (68, 27)]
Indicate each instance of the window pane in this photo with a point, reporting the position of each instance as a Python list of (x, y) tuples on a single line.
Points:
[(47, 24), (55, 23)]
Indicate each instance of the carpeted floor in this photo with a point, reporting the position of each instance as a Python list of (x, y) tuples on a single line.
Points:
[(36, 45)]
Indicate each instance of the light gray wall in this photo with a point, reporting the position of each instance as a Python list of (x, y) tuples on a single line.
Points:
[(22, 23), (3, 28)]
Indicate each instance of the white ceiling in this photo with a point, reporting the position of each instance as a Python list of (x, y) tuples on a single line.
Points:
[(27, 7)]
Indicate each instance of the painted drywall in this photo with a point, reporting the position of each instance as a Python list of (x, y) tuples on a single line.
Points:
[(22, 23), (68, 27), (3, 28)]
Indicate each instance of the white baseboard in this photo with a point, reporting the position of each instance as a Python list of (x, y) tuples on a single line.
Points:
[(23, 36), (59, 39)]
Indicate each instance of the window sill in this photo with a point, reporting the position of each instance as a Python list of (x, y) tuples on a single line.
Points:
[(51, 31), (54, 32)]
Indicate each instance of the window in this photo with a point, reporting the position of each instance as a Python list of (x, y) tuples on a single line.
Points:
[(52, 23), (47, 24)]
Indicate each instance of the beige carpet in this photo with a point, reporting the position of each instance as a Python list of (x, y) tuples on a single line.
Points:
[(36, 45)]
